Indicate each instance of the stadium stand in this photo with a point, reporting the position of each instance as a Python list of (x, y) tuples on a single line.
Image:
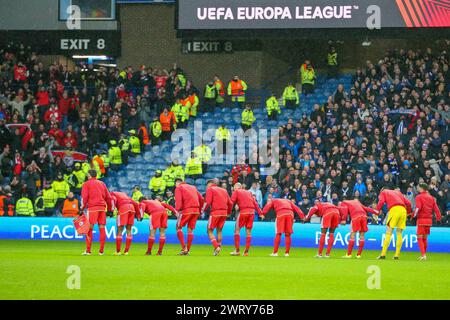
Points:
[(385, 125)]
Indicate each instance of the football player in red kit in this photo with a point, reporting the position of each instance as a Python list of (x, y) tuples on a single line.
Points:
[(220, 205), (425, 206), (188, 203), (330, 221), (127, 210), (158, 220), (247, 206), (95, 198), (358, 214), (284, 210)]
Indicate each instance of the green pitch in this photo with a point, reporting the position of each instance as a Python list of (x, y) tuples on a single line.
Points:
[(38, 270)]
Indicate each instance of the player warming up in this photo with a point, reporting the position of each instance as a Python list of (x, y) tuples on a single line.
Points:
[(247, 206), (330, 221), (157, 221), (284, 210), (188, 203), (425, 206), (219, 203), (127, 210), (95, 198), (398, 208), (358, 214)]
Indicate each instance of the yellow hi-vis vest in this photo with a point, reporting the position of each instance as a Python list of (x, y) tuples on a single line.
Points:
[(193, 167), (156, 128), (308, 76), (332, 59), (116, 155), (50, 198), (203, 153), (81, 177), (106, 160), (157, 184), (272, 105), (136, 196), (210, 92), (24, 207), (61, 189), (135, 145), (125, 144), (247, 117), (291, 94), (223, 134)]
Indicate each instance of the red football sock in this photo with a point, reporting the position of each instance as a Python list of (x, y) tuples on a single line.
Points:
[(89, 240), (277, 243), (425, 244), (214, 243), (248, 240), (421, 246), (190, 238), (118, 242), (128, 242), (162, 241), (151, 241), (351, 243), (321, 242), (330, 243), (102, 239), (361, 246), (180, 236), (237, 240), (288, 242)]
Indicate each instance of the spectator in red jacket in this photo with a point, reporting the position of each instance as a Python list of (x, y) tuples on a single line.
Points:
[(20, 72), (70, 140), (237, 171), (57, 134), (64, 105), (43, 100), (53, 114)]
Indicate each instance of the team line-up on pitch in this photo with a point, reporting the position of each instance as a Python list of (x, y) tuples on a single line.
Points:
[(98, 202)]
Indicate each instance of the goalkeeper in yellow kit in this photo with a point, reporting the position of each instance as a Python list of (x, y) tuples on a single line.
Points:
[(398, 209)]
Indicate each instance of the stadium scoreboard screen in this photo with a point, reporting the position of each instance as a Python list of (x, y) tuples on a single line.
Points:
[(311, 14), (89, 9)]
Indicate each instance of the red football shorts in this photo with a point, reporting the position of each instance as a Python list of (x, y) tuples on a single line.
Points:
[(423, 230), (216, 222), (96, 217), (359, 224), (330, 220), (284, 224), (245, 220), (158, 220), (125, 219), (187, 219)]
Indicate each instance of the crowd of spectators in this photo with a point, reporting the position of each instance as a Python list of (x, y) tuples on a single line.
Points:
[(389, 130), (80, 109)]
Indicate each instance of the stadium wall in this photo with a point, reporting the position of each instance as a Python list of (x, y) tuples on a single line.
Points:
[(305, 235), (149, 37)]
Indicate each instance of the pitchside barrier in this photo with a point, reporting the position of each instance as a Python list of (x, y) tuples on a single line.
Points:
[(305, 235)]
